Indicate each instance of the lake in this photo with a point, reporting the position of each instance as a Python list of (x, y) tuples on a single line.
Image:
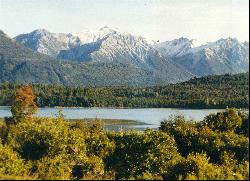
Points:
[(151, 116)]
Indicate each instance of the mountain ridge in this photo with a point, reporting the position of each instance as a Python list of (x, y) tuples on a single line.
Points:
[(214, 58), (111, 58), (94, 73)]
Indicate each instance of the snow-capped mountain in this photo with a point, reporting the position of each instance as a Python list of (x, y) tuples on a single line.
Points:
[(46, 42), (176, 47), (108, 45), (51, 44), (220, 57), (89, 36), (111, 46), (114, 60)]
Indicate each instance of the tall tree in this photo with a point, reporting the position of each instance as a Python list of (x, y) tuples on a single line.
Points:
[(24, 106)]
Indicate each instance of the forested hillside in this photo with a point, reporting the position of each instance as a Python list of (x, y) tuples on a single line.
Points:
[(207, 92)]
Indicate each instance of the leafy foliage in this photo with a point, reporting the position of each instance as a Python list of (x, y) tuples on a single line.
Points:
[(10, 162), (24, 106), (199, 137), (46, 137), (44, 148), (198, 167), (137, 154), (229, 120)]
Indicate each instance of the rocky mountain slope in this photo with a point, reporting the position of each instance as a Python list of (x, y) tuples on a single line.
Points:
[(46, 42), (108, 57), (140, 67), (220, 57), (109, 45)]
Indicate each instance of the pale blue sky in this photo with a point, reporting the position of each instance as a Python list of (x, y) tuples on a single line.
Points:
[(205, 20)]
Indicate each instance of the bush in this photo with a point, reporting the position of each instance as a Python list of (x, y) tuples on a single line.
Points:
[(3, 130), (53, 147), (98, 147), (194, 137), (93, 168), (46, 137), (43, 148), (185, 133), (137, 154), (198, 167), (11, 164), (97, 141), (244, 129), (230, 120), (58, 167)]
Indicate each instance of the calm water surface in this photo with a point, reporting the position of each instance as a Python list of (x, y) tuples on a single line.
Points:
[(152, 116)]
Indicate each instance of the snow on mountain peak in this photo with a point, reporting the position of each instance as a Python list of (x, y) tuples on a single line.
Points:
[(195, 43), (175, 47), (40, 32), (182, 46), (228, 42), (88, 36)]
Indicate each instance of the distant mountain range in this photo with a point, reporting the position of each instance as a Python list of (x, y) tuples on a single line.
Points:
[(220, 57), (108, 57)]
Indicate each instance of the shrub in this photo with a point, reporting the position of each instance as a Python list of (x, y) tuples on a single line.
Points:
[(97, 141), (3, 130), (185, 133), (137, 154), (215, 143), (93, 168), (244, 129), (53, 168), (194, 137), (198, 167), (46, 137), (98, 147), (53, 147), (11, 164), (230, 120)]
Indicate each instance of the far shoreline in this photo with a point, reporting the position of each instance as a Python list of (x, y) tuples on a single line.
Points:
[(180, 108)]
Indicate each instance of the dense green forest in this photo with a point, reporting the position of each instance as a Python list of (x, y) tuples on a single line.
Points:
[(206, 92), (216, 148)]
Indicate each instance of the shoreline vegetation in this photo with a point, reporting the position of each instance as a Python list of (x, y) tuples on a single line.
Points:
[(90, 121), (211, 92), (109, 125), (37, 148), (106, 124)]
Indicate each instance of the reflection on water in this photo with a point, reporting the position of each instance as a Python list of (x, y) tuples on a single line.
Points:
[(152, 116)]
